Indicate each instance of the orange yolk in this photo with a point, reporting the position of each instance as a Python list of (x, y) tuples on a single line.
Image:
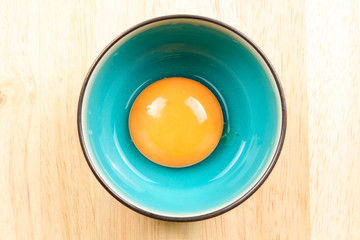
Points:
[(176, 122)]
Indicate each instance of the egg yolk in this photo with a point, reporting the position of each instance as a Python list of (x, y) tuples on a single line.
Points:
[(176, 122)]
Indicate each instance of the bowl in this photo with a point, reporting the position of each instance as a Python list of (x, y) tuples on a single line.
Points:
[(226, 62)]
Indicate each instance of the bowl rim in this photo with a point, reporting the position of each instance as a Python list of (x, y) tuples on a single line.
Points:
[(244, 196)]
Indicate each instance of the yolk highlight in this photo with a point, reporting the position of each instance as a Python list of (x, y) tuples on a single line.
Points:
[(176, 122)]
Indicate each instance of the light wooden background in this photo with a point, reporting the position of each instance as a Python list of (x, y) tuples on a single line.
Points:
[(46, 188)]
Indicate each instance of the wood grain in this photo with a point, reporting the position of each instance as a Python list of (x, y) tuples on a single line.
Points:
[(46, 188), (333, 70)]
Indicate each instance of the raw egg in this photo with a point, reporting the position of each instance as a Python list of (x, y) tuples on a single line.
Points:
[(176, 122)]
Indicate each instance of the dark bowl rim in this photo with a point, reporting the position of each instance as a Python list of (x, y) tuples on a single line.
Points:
[(218, 211)]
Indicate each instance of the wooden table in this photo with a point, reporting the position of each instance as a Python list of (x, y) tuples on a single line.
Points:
[(46, 188)]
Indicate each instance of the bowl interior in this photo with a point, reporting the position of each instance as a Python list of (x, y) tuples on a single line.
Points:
[(203, 51)]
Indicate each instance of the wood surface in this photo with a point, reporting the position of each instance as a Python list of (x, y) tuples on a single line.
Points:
[(47, 190)]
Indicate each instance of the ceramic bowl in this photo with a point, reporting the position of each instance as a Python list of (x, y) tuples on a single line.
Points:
[(222, 59)]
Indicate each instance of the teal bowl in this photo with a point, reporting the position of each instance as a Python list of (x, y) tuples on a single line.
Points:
[(222, 59)]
